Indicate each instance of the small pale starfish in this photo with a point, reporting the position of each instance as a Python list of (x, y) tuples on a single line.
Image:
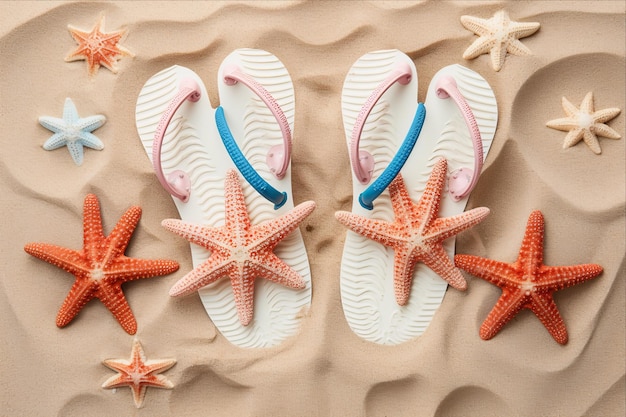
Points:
[(138, 373), (73, 131), (527, 283), (101, 267), (417, 233), (98, 48), (585, 123), (240, 250), (497, 36)]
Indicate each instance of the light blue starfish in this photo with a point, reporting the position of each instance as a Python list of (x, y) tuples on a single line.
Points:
[(73, 131)]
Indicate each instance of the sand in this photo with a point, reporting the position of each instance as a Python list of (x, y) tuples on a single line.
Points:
[(325, 370)]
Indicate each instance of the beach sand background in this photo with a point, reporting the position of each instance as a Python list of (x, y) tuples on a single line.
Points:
[(325, 370)]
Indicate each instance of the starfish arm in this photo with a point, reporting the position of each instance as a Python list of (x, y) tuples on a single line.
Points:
[(114, 300), (204, 274), (573, 137), (90, 123), (480, 46), (523, 29), (570, 109), (67, 259), (117, 241), (275, 230), (208, 237), (475, 24), (276, 270), (76, 151), (605, 131), (546, 310), (438, 260), (587, 104), (445, 227), (564, 124), (53, 124), (236, 212), (55, 141), (91, 141), (70, 114), (591, 140), (507, 306), (530, 257), (93, 235), (404, 267), (552, 278), (517, 48), (376, 230), (605, 115), (125, 269), (498, 54), (81, 293), (430, 200), (496, 272)]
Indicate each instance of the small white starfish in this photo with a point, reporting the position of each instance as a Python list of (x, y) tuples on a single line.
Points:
[(73, 131), (497, 36), (585, 123)]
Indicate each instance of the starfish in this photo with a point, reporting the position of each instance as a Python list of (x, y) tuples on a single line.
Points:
[(497, 36), (138, 373), (73, 131), (100, 267), (98, 48), (240, 250), (417, 233), (585, 123), (527, 283)]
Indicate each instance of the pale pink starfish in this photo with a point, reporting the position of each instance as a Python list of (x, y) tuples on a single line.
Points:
[(240, 250), (138, 373), (417, 233), (585, 123), (497, 36)]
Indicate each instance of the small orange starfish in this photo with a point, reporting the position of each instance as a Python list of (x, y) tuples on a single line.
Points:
[(98, 48), (100, 267), (240, 250), (138, 373), (527, 283), (417, 234)]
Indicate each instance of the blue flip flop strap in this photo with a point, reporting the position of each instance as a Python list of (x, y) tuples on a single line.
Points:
[(249, 173), (367, 197)]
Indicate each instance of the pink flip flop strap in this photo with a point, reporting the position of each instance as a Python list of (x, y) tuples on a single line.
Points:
[(278, 156), (463, 180), (177, 182), (363, 161)]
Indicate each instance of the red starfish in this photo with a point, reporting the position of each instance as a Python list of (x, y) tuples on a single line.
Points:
[(527, 283), (138, 373), (240, 250), (98, 48), (417, 234), (100, 267)]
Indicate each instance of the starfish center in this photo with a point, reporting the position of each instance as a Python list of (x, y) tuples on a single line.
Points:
[(94, 44), (240, 255), (585, 121), (528, 287), (501, 34), (97, 274)]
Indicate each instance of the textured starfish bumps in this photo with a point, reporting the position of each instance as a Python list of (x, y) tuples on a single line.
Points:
[(240, 250), (138, 373), (417, 233), (73, 131), (98, 48), (497, 37), (527, 283), (101, 267), (585, 123)]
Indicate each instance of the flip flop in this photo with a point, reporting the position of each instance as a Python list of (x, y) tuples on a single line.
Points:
[(379, 107), (199, 147)]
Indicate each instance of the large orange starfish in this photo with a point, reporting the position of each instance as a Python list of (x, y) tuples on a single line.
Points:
[(138, 373), (417, 233), (527, 283), (100, 267), (98, 48), (240, 250)]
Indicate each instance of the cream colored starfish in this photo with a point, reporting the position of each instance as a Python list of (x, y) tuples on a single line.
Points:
[(138, 373), (417, 233), (239, 250), (585, 123), (497, 36)]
